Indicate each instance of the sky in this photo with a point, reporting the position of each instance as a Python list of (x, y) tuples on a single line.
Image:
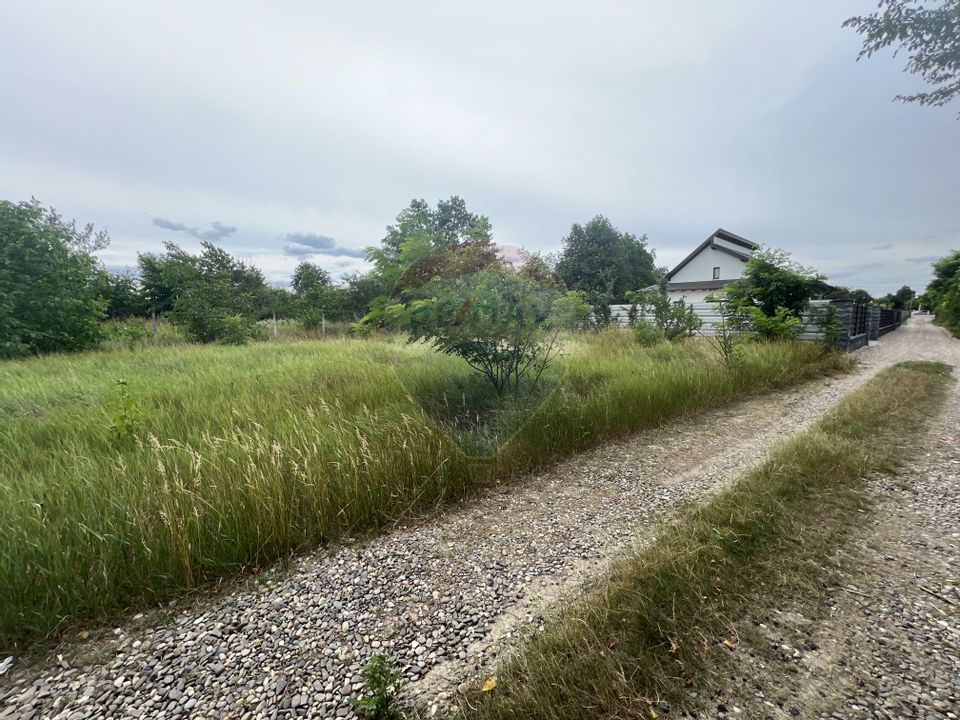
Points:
[(297, 130)]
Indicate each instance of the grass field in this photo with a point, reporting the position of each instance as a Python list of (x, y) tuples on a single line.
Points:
[(207, 461), (653, 631)]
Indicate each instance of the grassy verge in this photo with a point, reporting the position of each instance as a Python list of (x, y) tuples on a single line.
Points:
[(207, 461), (652, 632)]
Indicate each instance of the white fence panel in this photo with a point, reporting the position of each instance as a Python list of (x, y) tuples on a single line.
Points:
[(707, 312)]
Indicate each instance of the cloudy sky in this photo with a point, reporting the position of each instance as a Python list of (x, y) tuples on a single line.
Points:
[(292, 130)]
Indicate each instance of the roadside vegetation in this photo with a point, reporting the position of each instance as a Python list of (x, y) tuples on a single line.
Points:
[(653, 632), (126, 477), (942, 296)]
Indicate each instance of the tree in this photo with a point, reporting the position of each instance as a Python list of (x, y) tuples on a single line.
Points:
[(928, 32), (358, 290), (420, 230), (50, 283), (498, 324), (903, 298), (124, 296), (425, 244), (605, 263), (212, 296), (771, 280), (315, 295), (943, 292)]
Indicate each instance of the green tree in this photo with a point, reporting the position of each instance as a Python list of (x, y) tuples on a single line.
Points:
[(425, 244), (605, 263), (771, 280), (50, 283), (124, 296), (212, 296), (315, 295), (357, 292), (903, 298), (928, 32), (943, 292)]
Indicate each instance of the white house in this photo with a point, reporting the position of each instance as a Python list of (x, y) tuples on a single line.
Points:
[(718, 260)]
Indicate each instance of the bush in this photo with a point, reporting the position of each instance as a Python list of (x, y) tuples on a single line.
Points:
[(675, 319), (647, 333), (782, 325), (571, 311)]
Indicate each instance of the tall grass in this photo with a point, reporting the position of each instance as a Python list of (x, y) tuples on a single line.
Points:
[(209, 460), (652, 632)]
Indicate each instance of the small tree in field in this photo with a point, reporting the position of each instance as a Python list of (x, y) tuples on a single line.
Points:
[(728, 333), (499, 324)]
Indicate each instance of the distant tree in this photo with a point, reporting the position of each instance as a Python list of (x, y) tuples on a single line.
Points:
[(903, 298), (50, 283), (605, 263), (212, 296), (124, 296), (164, 276), (943, 292), (357, 292), (315, 295), (861, 296), (928, 32), (844, 293), (536, 270), (420, 230)]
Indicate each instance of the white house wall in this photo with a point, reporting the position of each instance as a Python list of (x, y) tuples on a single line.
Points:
[(700, 268)]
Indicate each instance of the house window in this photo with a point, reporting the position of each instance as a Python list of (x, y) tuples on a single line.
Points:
[(716, 273)]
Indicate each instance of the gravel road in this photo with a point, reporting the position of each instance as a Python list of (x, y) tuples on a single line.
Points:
[(887, 644), (447, 596)]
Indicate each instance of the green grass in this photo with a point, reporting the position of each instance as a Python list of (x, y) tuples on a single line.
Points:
[(652, 631), (213, 460)]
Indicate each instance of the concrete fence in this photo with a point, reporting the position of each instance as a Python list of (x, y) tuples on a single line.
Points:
[(856, 323)]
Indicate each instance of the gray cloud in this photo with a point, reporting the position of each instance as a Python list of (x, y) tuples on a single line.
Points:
[(924, 259), (885, 246), (218, 231), (305, 244)]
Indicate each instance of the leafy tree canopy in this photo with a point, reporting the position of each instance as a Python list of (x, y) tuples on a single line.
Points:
[(771, 280), (212, 296), (929, 32), (316, 296), (943, 292), (50, 283), (605, 263)]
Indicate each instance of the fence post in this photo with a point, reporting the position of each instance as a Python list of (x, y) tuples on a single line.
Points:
[(844, 321), (874, 332)]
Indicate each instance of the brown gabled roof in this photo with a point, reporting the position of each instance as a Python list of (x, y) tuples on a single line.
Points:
[(723, 235)]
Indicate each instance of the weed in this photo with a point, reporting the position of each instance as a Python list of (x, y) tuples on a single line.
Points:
[(382, 685)]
